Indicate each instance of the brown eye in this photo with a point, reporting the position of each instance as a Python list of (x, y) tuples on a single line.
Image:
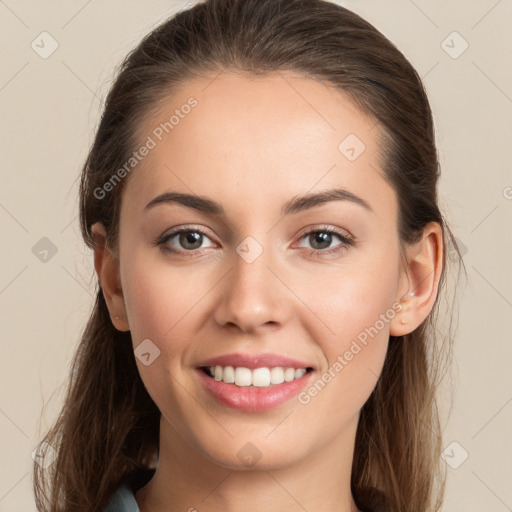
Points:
[(184, 240), (190, 239), (320, 240)]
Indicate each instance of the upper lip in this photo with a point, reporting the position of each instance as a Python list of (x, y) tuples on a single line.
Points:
[(253, 361)]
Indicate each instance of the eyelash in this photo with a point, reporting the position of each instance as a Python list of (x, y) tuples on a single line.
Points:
[(346, 240)]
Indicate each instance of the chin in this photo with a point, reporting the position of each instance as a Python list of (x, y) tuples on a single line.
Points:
[(251, 456)]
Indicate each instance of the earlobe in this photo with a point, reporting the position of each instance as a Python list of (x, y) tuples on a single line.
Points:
[(421, 276), (107, 269)]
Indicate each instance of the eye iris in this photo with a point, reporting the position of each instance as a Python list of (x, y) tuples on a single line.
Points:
[(190, 237), (321, 237)]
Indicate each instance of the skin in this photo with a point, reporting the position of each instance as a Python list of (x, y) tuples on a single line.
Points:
[(252, 144)]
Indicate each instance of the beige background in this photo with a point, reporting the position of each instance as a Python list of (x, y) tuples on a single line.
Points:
[(49, 109)]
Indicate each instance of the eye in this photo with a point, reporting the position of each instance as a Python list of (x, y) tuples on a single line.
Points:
[(189, 238), (321, 239)]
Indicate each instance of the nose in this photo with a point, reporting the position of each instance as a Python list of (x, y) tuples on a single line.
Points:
[(253, 297)]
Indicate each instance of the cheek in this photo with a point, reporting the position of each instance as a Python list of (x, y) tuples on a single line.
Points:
[(166, 305), (158, 297), (348, 300), (161, 303), (353, 312)]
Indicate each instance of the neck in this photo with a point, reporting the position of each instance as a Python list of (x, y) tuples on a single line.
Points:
[(187, 480)]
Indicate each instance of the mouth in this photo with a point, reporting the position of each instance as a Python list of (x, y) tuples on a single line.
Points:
[(253, 390), (263, 377)]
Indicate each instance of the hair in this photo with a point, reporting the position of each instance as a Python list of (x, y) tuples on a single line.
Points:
[(108, 428)]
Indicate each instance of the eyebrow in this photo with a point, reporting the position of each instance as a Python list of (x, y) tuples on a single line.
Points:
[(295, 205)]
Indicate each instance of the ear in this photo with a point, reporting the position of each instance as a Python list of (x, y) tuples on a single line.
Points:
[(419, 280), (107, 268)]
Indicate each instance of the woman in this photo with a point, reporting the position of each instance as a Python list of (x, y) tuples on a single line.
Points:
[(261, 199)]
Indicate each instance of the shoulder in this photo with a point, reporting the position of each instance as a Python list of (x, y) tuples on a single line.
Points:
[(123, 500)]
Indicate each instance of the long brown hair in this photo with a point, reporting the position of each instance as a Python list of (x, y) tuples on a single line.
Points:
[(108, 428)]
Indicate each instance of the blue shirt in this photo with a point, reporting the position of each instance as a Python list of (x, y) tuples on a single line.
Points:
[(123, 500)]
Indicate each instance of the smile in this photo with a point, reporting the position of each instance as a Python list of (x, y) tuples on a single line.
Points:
[(257, 377), (246, 396)]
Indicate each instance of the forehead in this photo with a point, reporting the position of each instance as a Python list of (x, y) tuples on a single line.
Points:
[(281, 133)]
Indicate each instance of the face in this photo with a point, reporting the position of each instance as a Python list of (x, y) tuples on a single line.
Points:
[(264, 273)]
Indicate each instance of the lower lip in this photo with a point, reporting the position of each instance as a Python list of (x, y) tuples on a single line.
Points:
[(253, 399)]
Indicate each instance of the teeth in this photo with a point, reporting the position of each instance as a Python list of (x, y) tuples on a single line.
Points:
[(289, 374), (276, 375), (228, 375), (259, 377), (243, 376)]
